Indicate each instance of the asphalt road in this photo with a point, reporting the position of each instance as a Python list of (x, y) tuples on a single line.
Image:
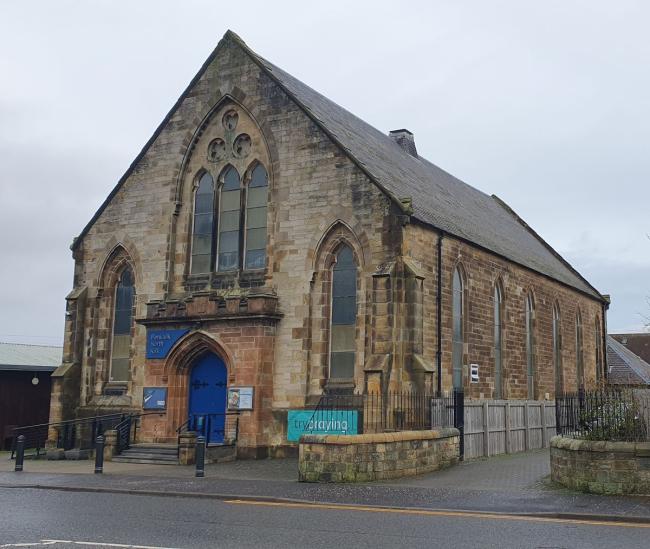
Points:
[(56, 519)]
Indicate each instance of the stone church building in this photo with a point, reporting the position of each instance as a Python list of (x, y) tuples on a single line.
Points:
[(267, 240)]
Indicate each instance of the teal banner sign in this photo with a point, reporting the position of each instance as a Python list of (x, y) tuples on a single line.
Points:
[(325, 422), (160, 342)]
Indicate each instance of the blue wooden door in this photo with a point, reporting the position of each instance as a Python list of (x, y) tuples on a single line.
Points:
[(207, 398)]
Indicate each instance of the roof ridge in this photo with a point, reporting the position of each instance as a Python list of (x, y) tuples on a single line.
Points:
[(550, 248), (436, 196)]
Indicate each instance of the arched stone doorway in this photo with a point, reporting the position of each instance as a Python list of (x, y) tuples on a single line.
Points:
[(201, 360)]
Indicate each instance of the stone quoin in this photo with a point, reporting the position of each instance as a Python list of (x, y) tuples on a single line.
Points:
[(306, 252)]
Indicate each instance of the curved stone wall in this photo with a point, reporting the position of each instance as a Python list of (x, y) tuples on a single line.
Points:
[(361, 458), (601, 467)]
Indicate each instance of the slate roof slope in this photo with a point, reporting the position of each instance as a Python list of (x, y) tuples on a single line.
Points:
[(625, 367), (638, 343), (33, 358), (438, 198)]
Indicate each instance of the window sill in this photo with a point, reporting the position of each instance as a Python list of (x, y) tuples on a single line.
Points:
[(221, 280), (341, 386)]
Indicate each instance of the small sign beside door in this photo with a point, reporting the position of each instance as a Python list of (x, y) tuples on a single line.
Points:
[(240, 398), (154, 398)]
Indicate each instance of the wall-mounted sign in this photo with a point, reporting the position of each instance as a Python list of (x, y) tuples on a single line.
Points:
[(240, 398), (325, 422), (154, 398), (473, 373), (160, 342)]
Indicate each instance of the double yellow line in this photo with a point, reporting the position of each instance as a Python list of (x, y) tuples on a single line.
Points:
[(440, 513)]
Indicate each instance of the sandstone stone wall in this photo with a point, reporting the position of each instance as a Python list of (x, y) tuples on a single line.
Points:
[(362, 458), (271, 326), (601, 467), (481, 270), (317, 198)]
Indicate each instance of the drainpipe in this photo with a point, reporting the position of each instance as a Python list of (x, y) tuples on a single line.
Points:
[(604, 335), (439, 315)]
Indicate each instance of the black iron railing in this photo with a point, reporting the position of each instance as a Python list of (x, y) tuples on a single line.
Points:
[(75, 433), (386, 412), (609, 413), (79, 433), (216, 428), (123, 429)]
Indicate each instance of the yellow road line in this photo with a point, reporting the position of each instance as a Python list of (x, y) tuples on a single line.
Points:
[(433, 513)]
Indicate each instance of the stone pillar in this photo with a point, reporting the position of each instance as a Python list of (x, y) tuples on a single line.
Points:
[(110, 444), (187, 448)]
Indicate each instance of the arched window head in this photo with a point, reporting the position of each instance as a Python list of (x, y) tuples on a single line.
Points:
[(122, 324), (458, 334), (530, 349), (203, 225), (580, 366), (256, 200), (229, 221), (498, 337), (343, 315), (557, 351)]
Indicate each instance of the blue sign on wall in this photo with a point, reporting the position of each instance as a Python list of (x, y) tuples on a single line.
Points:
[(160, 342), (325, 422), (154, 398)]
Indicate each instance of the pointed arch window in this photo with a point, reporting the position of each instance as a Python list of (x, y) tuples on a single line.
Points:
[(580, 366), (122, 325), (256, 200), (229, 221), (557, 351), (458, 334), (498, 340), (343, 315), (530, 349), (203, 225)]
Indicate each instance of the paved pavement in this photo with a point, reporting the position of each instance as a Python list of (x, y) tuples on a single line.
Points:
[(37, 518), (512, 484)]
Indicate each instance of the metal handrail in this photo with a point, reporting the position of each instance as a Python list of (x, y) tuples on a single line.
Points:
[(36, 435), (123, 429), (209, 418), (68, 421)]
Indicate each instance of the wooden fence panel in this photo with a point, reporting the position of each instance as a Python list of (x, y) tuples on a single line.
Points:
[(495, 427)]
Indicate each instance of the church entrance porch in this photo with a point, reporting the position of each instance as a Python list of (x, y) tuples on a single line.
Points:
[(207, 398)]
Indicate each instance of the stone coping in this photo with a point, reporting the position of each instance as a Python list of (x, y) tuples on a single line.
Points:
[(377, 438), (638, 449)]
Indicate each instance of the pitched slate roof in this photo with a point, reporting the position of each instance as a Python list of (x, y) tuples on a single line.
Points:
[(438, 198), (625, 368), (30, 358), (638, 343)]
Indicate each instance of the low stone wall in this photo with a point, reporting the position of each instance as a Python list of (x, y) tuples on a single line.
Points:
[(601, 467), (362, 458)]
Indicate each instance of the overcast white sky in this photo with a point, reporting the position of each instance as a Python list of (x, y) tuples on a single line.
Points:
[(546, 104)]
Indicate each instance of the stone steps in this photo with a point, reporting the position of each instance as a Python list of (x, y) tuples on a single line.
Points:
[(126, 459), (155, 454)]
